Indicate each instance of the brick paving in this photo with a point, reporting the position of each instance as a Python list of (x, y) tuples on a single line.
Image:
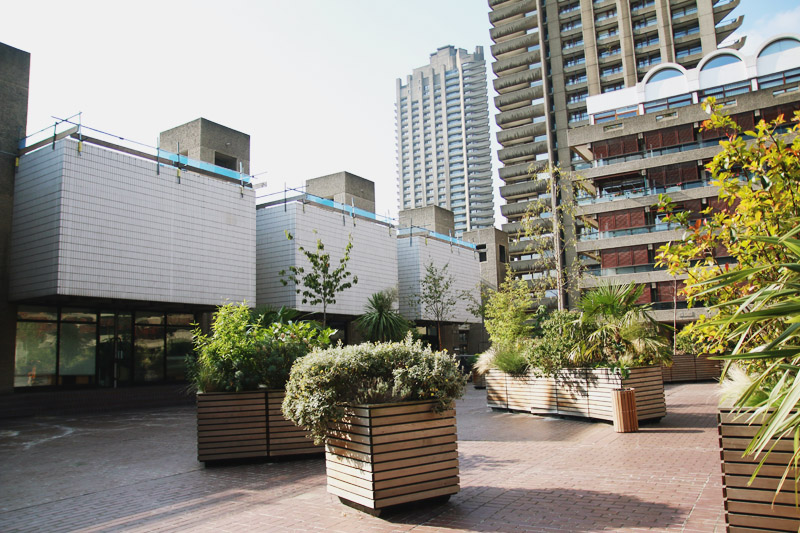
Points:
[(137, 471)]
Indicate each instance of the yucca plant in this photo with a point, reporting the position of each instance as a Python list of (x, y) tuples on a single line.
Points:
[(764, 329), (381, 322)]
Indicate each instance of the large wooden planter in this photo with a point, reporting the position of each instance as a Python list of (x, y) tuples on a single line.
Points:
[(687, 367), (389, 454), (577, 392), (242, 425), (750, 508)]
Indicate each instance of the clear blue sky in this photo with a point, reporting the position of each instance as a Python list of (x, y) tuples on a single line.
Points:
[(312, 82)]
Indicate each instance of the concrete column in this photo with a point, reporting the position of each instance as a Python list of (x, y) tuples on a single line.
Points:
[(14, 75), (665, 44), (626, 43)]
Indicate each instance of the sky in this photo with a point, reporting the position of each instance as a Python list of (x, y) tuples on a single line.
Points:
[(312, 82)]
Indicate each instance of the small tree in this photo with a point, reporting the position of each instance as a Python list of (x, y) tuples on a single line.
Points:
[(380, 322), (320, 284), (437, 296), (507, 313)]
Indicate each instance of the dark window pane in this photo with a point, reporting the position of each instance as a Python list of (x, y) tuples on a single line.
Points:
[(77, 356), (179, 345), (149, 353), (149, 318), (29, 312), (180, 319), (78, 315), (35, 354)]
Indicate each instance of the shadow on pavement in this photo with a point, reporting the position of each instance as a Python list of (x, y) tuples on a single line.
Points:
[(482, 508)]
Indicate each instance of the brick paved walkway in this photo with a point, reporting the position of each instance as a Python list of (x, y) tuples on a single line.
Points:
[(136, 471)]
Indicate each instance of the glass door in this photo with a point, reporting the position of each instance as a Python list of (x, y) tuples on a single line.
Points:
[(115, 353)]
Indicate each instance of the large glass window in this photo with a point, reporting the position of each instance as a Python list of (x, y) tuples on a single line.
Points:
[(78, 346), (36, 354), (149, 347)]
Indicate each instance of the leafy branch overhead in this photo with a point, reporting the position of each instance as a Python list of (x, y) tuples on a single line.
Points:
[(320, 284)]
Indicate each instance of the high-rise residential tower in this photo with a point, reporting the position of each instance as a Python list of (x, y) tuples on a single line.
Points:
[(443, 148), (549, 57)]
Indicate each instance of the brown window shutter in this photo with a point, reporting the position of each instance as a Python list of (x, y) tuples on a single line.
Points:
[(637, 218), (688, 172), (600, 150), (685, 134), (672, 176), (656, 177), (646, 297), (664, 291), (625, 257), (622, 220), (606, 221), (669, 137), (631, 144), (652, 139), (745, 120), (721, 251), (640, 255), (608, 258)]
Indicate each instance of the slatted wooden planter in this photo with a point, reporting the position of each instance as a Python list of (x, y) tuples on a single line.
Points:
[(245, 425), (750, 508), (687, 367), (577, 392), (390, 454), (478, 380)]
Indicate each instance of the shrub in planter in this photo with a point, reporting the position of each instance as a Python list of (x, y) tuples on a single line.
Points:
[(385, 412), (239, 373)]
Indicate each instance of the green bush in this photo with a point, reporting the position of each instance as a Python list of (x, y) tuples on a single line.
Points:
[(240, 354), (558, 335), (322, 382), (512, 359)]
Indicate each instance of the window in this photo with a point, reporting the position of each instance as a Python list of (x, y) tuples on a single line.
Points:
[(665, 74), (481, 248), (720, 61), (668, 103), (781, 45), (724, 91)]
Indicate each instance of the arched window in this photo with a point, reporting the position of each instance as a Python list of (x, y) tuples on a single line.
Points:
[(780, 45), (720, 61), (665, 74)]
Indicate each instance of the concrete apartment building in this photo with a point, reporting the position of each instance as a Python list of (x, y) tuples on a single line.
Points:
[(549, 58), (443, 147), (646, 140)]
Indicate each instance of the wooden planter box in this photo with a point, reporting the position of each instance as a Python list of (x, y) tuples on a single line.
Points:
[(577, 392), (243, 425), (389, 454), (686, 367), (750, 508), (478, 380)]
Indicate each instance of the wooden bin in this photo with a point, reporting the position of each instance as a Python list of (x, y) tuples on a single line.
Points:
[(247, 425), (478, 380), (688, 367), (231, 425), (389, 454), (624, 404), (750, 508), (285, 438)]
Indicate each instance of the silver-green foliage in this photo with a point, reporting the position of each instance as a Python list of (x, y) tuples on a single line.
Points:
[(325, 380)]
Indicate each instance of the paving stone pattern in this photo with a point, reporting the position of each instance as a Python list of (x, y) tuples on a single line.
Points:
[(137, 471)]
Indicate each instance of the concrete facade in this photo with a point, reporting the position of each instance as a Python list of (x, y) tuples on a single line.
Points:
[(443, 148), (492, 248), (100, 224), (373, 258), (432, 218), (593, 47), (415, 253), (14, 75), (646, 140), (344, 188), (207, 141)]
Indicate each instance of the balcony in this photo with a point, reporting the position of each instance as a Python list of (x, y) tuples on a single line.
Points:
[(627, 232), (525, 188), (640, 192), (520, 79), (520, 44), (516, 61), (502, 13), (726, 27), (511, 28)]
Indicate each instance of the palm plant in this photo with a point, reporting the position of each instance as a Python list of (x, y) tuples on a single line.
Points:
[(381, 323), (620, 331), (763, 327)]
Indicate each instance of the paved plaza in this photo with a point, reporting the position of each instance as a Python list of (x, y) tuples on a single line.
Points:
[(137, 471)]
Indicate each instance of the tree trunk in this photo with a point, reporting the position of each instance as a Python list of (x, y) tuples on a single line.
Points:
[(439, 332)]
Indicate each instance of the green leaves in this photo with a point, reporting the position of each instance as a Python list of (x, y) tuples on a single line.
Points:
[(324, 380), (321, 283), (381, 322)]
